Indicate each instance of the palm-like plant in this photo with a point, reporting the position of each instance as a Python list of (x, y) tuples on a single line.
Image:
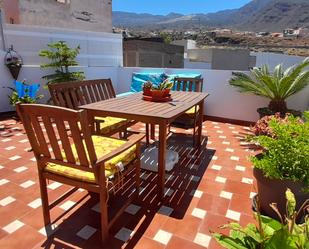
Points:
[(277, 86)]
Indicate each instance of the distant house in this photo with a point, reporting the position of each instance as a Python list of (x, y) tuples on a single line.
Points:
[(152, 52), (262, 34), (290, 33), (187, 44)]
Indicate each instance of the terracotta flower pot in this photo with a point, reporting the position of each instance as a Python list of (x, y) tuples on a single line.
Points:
[(166, 92), (273, 191), (158, 93), (147, 91)]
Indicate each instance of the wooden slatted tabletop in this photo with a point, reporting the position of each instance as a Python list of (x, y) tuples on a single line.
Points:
[(134, 107)]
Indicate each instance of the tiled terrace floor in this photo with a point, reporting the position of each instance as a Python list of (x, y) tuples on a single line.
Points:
[(207, 188)]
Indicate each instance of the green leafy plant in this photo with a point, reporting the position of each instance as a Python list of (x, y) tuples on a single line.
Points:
[(276, 86), (26, 99), (269, 233), (167, 38), (61, 57), (166, 84), (286, 152)]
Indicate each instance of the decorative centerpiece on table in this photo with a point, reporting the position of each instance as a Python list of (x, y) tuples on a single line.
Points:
[(159, 93)]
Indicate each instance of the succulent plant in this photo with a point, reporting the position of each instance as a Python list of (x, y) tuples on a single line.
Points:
[(147, 85)]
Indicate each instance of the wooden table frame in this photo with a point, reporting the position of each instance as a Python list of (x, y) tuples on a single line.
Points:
[(163, 113)]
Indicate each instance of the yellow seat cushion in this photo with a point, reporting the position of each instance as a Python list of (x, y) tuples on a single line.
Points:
[(103, 146), (192, 110), (110, 124)]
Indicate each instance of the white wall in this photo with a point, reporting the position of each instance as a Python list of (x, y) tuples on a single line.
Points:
[(273, 59), (97, 48), (224, 100)]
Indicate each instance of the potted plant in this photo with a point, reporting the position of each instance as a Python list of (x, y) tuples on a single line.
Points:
[(24, 93), (269, 233), (61, 57), (13, 62), (276, 86), (160, 91), (283, 163), (147, 88)]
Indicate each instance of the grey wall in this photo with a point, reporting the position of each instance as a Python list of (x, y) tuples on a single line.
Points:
[(152, 54), (90, 15), (231, 59)]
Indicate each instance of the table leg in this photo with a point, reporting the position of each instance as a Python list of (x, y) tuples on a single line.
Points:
[(200, 123), (147, 133), (161, 159), (152, 131)]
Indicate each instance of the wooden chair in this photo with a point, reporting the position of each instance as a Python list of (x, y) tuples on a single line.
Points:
[(76, 93), (190, 117), (95, 163)]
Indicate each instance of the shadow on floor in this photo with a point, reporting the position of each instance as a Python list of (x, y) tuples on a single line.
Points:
[(181, 184)]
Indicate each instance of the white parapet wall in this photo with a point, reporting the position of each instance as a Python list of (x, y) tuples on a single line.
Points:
[(34, 74), (223, 100), (273, 59)]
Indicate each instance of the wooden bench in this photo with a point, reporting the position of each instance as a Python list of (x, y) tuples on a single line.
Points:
[(76, 93)]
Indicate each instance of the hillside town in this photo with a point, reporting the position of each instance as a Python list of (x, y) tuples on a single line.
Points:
[(289, 41)]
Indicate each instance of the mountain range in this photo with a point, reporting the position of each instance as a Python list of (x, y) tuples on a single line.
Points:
[(257, 15)]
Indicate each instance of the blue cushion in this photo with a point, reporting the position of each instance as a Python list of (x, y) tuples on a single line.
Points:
[(24, 89), (138, 79)]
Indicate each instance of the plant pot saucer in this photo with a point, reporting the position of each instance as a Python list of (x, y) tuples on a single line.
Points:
[(157, 99)]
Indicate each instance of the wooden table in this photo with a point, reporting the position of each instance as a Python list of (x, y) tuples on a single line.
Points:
[(135, 108)]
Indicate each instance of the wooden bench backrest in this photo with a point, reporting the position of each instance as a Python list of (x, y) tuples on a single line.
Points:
[(188, 84), (52, 130), (75, 93)]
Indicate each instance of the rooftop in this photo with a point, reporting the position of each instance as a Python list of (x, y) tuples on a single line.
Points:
[(206, 189)]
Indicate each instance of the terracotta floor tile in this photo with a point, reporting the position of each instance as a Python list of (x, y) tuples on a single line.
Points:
[(214, 204), (180, 243), (27, 238), (147, 243), (237, 187), (184, 228), (212, 222), (13, 211), (210, 186), (241, 203)]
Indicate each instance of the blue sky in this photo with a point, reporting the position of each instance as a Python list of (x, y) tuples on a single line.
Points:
[(179, 6)]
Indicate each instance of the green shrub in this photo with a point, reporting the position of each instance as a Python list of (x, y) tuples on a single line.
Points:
[(269, 233), (285, 153), (61, 57)]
